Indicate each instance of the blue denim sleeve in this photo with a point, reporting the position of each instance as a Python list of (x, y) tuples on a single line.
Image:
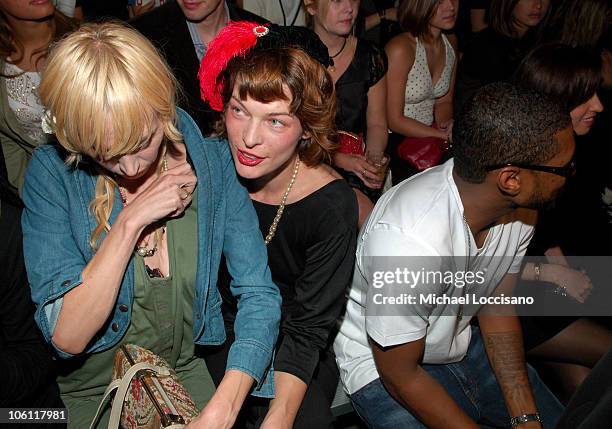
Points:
[(257, 322), (53, 260)]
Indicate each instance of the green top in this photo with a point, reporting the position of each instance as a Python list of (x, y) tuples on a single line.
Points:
[(161, 322), (14, 141)]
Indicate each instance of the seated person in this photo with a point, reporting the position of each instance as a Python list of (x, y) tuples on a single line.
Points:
[(421, 82), (568, 346), (421, 363), (494, 54), (28, 367), (181, 30), (115, 228), (26, 33), (279, 105), (359, 74)]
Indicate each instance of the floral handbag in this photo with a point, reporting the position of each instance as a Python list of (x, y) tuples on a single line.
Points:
[(148, 394)]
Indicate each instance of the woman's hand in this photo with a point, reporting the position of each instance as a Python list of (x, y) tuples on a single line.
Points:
[(216, 415), (358, 165), (275, 422), (576, 282), (223, 408), (446, 127), (167, 196)]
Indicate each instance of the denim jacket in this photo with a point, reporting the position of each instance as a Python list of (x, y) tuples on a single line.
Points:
[(57, 225)]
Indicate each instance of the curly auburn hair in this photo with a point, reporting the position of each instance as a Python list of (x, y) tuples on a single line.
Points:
[(263, 75)]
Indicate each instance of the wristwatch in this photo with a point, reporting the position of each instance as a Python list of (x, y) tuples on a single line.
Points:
[(525, 418)]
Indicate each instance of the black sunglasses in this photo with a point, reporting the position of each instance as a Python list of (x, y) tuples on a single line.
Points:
[(566, 171)]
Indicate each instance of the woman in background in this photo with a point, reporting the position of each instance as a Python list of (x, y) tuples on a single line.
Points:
[(358, 72), (26, 31), (421, 79), (567, 346), (494, 54)]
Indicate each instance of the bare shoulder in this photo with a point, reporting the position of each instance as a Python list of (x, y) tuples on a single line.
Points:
[(452, 39), (401, 45)]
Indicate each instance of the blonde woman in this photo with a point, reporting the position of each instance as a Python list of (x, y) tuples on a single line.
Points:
[(124, 228)]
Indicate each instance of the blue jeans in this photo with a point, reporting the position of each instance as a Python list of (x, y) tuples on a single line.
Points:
[(471, 383)]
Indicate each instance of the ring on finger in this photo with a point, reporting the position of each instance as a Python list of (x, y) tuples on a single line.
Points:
[(183, 193)]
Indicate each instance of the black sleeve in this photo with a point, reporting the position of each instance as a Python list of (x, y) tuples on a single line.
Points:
[(378, 64), (320, 292), (26, 363)]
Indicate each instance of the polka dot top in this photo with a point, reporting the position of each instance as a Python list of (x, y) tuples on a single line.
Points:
[(420, 93)]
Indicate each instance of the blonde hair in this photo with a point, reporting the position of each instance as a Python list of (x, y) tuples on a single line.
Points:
[(320, 6), (107, 80)]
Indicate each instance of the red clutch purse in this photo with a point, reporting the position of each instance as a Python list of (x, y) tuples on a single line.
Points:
[(350, 143), (422, 152)]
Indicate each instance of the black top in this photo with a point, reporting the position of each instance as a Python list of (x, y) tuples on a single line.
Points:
[(311, 258), (463, 25), (28, 370), (95, 10), (166, 27), (489, 57), (369, 65)]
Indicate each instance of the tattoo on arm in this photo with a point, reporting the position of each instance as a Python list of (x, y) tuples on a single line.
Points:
[(507, 358)]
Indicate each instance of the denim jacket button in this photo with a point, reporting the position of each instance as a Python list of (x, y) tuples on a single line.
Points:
[(115, 327), (66, 283), (123, 308)]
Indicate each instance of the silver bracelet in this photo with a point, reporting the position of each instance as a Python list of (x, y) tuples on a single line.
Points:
[(525, 418)]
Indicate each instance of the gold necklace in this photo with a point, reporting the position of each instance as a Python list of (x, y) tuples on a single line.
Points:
[(144, 251), (281, 207)]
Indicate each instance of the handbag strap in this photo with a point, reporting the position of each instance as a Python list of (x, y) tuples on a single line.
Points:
[(114, 385), (122, 386)]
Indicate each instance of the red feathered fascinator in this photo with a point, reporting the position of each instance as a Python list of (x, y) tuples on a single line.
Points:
[(235, 39)]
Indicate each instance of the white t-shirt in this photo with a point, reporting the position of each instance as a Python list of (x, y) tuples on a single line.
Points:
[(419, 225)]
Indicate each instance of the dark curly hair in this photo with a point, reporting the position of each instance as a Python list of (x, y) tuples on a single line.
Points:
[(505, 123)]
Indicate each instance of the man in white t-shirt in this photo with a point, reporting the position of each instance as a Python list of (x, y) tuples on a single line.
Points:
[(446, 245)]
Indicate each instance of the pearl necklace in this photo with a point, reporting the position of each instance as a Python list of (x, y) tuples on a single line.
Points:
[(281, 207), (144, 251)]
